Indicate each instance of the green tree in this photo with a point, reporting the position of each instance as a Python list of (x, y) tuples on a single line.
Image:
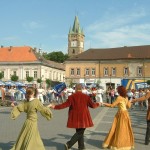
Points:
[(71, 83), (148, 82), (48, 82), (56, 56), (29, 79), (98, 83), (1, 75), (14, 78), (39, 80)]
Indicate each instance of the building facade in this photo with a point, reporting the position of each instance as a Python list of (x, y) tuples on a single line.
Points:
[(105, 67), (26, 61), (108, 67)]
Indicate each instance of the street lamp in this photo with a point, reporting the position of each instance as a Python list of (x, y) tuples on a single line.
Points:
[(40, 71), (110, 80), (144, 66), (63, 78), (84, 78)]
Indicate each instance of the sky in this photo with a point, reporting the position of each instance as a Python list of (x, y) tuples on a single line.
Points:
[(45, 24)]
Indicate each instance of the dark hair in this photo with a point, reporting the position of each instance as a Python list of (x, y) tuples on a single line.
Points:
[(29, 92), (122, 91)]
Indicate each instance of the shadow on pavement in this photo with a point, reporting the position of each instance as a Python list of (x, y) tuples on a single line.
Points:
[(6, 146), (95, 143), (53, 141)]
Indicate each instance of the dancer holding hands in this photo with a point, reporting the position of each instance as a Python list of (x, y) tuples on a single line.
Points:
[(29, 137), (144, 98), (120, 135), (79, 115)]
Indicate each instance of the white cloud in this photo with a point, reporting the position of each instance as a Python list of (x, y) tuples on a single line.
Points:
[(115, 31), (9, 38), (32, 25), (57, 36)]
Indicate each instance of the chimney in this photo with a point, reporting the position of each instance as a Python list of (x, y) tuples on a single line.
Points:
[(10, 48), (30, 50), (34, 49)]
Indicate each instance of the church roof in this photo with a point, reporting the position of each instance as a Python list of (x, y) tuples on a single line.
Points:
[(133, 52), (76, 27)]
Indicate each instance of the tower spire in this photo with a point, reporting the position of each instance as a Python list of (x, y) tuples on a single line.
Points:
[(75, 39), (76, 26)]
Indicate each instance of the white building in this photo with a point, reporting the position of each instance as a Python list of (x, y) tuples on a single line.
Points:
[(25, 61)]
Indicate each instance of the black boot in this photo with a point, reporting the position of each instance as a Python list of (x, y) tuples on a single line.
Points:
[(81, 145), (147, 137)]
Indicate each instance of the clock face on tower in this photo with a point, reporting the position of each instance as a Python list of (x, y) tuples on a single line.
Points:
[(74, 44)]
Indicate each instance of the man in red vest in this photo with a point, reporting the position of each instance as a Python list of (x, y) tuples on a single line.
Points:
[(79, 115)]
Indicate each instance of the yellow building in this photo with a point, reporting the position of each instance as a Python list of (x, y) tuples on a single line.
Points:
[(106, 67), (109, 66)]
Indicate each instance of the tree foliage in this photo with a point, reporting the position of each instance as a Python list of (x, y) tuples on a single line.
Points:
[(148, 82), (39, 80), (56, 56), (14, 78), (48, 82), (1, 75), (29, 79), (71, 83)]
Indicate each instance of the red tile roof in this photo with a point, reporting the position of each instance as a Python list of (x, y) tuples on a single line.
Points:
[(26, 54), (134, 52), (17, 54)]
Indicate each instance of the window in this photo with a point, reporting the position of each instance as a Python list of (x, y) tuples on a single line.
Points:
[(27, 73), (139, 71), (60, 77), (54, 75), (57, 76), (93, 72), (87, 72), (126, 71), (105, 71), (78, 71), (35, 74), (113, 71), (50, 74), (72, 71)]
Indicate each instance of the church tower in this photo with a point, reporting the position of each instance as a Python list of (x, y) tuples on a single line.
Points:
[(75, 39)]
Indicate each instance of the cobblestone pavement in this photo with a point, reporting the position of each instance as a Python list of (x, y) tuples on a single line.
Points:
[(54, 133)]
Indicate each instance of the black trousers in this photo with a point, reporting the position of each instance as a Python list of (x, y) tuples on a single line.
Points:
[(112, 99), (147, 137), (77, 137)]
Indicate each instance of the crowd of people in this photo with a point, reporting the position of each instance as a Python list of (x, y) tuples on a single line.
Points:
[(11, 93), (78, 100), (16, 94), (112, 94)]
